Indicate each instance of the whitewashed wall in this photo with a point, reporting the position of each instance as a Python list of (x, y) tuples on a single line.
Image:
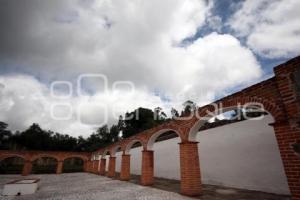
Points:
[(135, 161), (242, 155)]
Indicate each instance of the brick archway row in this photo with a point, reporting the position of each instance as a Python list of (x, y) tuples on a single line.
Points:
[(30, 156), (279, 96)]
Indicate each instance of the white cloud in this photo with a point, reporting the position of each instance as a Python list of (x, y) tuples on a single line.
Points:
[(133, 41), (271, 28), (210, 66), (24, 101)]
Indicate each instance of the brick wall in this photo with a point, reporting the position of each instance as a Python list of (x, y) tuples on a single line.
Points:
[(279, 96)]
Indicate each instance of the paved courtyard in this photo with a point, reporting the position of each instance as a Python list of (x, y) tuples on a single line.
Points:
[(86, 186)]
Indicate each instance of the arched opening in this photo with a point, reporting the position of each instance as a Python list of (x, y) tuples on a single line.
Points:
[(166, 159), (238, 148), (248, 111), (134, 150), (44, 165), (73, 164), (161, 135), (133, 144), (12, 165), (117, 152)]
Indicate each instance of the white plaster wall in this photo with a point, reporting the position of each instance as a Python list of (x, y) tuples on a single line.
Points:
[(135, 161), (242, 155), (106, 163), (166, 159), (118, 161)]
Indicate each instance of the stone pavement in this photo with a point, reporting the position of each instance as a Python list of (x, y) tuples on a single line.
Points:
[(84, 186)]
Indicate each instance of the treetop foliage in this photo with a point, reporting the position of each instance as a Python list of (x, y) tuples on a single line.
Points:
[(36, 138)]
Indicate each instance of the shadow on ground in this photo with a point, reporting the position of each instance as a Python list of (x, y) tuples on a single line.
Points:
[(212, 192)]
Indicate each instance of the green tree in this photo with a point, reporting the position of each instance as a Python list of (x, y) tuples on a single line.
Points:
[(103, 134), (159, 114), (34, 138), (188, 107), (5, 136), (174, 113), (137, 121), (114, 133)]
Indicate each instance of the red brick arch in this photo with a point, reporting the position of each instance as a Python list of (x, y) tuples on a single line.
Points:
[(35, 157), (114, 149), (130, 143), (151, 140), (11, 156), (106, 152), (279, 96), (145, 137), (222, 106), (84, 158), (30, 156)]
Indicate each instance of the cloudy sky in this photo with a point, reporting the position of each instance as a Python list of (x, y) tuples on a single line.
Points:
[(71, 65)]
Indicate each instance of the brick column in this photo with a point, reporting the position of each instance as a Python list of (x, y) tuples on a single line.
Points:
[(27, 168), (98, 166), (125, 168), (85, 166), (190, 169), (89, 166), (147, 168), (92, 166), (287, 131), (102, 167), (112, 167), (286, 137), (95, 166), (59, 167)]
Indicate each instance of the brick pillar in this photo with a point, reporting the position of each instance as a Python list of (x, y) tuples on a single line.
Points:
[(125, 168), (190, 184), (85, 166), (102, 167), (287, 78), (112, 167), (287, 131), (59, 167), (89, 166), (147, 168), (27, 168), (92, 166), (286, 137), (98, 166), (95, 166)]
